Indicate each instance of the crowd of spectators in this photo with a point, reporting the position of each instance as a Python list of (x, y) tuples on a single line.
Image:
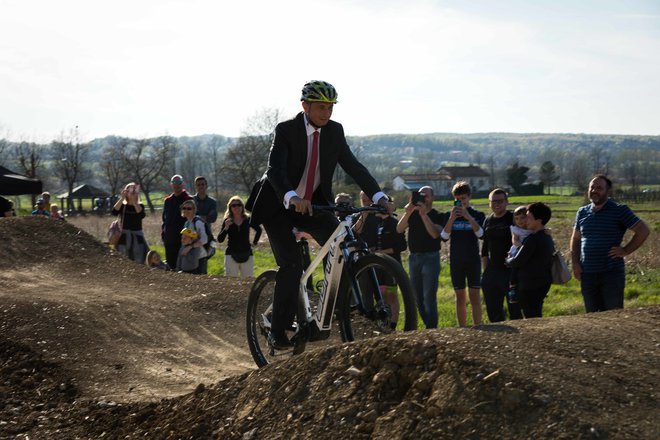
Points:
[(512, 266)]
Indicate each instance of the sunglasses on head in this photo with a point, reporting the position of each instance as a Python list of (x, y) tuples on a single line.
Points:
[(186, 208)]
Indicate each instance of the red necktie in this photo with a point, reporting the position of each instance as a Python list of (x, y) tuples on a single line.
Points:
[(311, 171)]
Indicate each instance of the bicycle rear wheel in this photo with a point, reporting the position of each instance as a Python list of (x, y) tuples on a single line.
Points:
[(259, 315), (378, 276)]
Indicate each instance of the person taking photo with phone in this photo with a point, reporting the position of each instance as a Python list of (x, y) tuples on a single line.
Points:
[(424, 224), (132, 242), (465, 227)]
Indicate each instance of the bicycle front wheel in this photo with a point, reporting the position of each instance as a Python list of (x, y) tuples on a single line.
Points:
[(381, 302), (259, 316)]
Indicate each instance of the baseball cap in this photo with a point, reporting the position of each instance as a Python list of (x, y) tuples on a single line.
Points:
[(41, 202), (177, 179)]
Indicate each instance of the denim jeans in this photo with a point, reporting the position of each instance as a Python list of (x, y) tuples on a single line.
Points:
[(603, 290), (424, 272)]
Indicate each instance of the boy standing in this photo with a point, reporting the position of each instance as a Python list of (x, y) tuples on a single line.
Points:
[(465, 227)]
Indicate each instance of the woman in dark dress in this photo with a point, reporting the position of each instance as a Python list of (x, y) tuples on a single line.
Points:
[(534, 261), (236, 225), (131, 212)]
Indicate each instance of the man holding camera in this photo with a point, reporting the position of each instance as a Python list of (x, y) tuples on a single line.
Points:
[(424, 224)]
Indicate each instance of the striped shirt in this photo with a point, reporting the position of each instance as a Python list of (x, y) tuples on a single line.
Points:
[(600, 231)]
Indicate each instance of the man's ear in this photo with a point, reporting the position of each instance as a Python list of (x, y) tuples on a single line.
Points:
[(306, 105)]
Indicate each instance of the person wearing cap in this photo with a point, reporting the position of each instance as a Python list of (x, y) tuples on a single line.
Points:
[(172, 220), (188, 255), (302, 160), (40, 209)]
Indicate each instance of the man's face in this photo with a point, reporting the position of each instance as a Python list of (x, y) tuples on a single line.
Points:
[(427, 196), (176, 188), (464, 198), (201, 186), (498, 204), (319, 113), (598, 191)]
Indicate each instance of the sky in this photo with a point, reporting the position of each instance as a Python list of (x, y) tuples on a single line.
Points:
[(145, 68)]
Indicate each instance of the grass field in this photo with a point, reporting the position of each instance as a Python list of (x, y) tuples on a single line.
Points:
[(642, 268)]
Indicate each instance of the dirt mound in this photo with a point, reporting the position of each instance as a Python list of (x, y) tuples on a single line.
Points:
[(95, 346)]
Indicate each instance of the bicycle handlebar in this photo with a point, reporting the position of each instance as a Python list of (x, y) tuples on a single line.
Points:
[(345, 209)]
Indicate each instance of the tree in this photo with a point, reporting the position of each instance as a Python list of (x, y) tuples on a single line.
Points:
[(491, 169), (246, 160), (516, 176), (548, 174), (578, 171), (112, 165), (70, 161), (146, 160)]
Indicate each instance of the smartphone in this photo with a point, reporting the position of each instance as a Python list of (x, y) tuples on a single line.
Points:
[(457, 203), (416, 197)]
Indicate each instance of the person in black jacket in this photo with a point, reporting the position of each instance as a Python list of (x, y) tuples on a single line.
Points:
[(132, 242), (496, 244), (302, 161), (236, 225), (172, 220), (534, 261)]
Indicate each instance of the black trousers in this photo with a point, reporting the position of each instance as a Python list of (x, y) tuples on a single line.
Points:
[(531, 300), (279, 228), (495, 285)]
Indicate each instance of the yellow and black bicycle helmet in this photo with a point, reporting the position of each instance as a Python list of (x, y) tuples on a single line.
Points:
[(319, 91)]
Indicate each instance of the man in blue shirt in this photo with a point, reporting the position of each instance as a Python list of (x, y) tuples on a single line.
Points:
[(596, 250)]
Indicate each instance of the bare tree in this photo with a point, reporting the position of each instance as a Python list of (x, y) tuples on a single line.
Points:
[(579, 172), (548, 174), (112, 164), (491, 169), (28, 156), (70, 161), (214, 152), (146, 160), (246, 160)]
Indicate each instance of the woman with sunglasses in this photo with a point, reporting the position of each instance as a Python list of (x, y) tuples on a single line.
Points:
[(196, 224), (236, 225)]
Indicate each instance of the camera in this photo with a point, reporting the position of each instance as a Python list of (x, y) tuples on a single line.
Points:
[(417, 197), (457, 203)]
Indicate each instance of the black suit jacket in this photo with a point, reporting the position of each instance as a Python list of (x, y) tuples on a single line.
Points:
[(286, 165)]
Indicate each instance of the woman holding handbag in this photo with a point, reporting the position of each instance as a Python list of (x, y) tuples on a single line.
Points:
[(131, 242), (236, 226), (534, 261)]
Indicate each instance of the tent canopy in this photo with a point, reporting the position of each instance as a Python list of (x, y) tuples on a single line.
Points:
[(84, 192), (14, 184)]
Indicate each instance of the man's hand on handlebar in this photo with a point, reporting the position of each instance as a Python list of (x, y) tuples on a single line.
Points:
[(301, 206)]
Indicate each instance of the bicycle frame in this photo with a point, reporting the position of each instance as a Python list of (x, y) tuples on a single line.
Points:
[(338, 250)]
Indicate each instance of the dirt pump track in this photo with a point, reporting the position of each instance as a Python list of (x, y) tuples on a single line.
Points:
[(93, 345)]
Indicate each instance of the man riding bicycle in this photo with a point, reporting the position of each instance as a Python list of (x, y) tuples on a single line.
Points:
[(302, 161)]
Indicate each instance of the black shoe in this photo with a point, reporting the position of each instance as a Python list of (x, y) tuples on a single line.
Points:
[(279, 341)]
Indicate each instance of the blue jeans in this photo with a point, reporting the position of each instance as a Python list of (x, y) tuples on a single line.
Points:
[(424, 272), (603, 290)]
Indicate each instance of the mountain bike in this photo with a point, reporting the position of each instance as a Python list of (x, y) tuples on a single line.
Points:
[(366, 294)]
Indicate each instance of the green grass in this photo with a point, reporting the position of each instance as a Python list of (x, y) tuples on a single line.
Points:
[(643, 267)]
